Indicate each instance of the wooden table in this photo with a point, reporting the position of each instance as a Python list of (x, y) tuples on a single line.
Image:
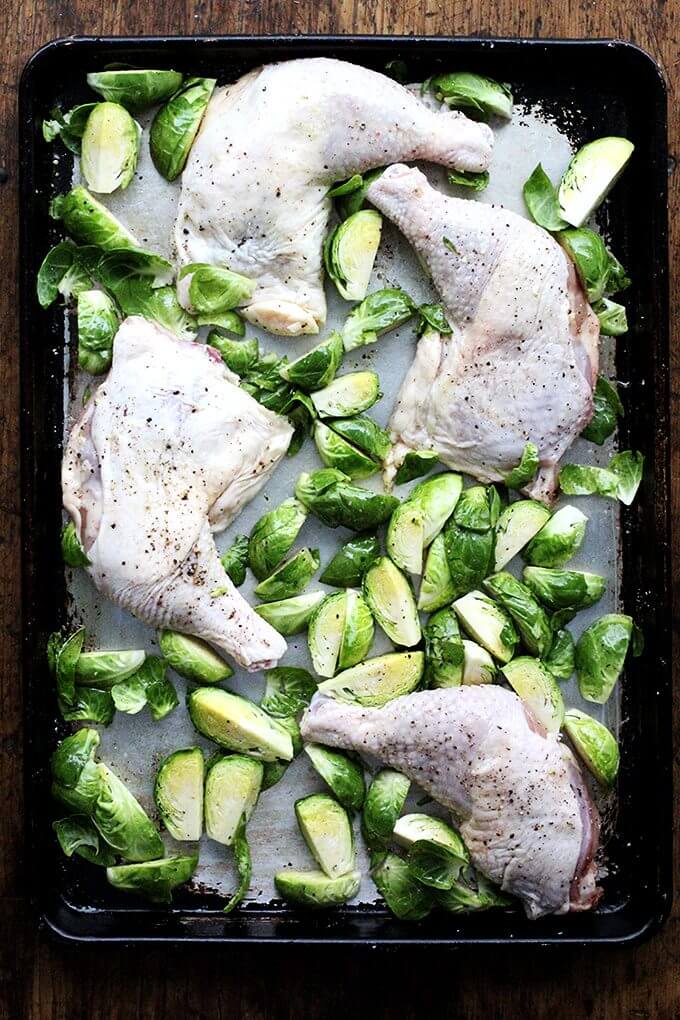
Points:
[(39, 979)]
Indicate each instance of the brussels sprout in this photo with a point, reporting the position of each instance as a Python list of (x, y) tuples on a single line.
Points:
[(537, 688), (310, 486), (541, 200), (72, 551), (122, 821), (176, 125), (90, 222), (291, 577), (468, 179), (154, 880), (517, 525), (288, 691), (232, 787), (214, 289), (68, 126), (316, 890), (436, 498), (135, 89), (406, 898), (525, 470), (390, 597), (444, 653), (528, 616), (80, 797), (591, 260), (477, 509), (273, 536), (72, 755), (612, 316), (595, 745), (240, 356), (469, 555), (229, 321), (235, 560), (316, 368), (97, 326), (488, 624), (327, 831), (336, 502), (343, 775), (338, 453), (178, 793), (379, 312), (353, 199), (76, 834), (347, 568), (478, 665), (436, 589), (90, 705), (291, 616), (564, 589), (109, 148), (340, 632), (347, 395), (121, 270), (558, 540), (561, 659), (471, 892), (192, 658), (62, 657), (104, 669), (406, 537), (363, 432), (462, 90), (350, 253), (435, 865), (376, 681), (415, 464), (238, 724), (591, 174), (412, 829), (384, 803), (619, 480), (600, 654), (57, 264)]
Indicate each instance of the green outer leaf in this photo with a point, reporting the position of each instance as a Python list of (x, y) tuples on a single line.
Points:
[(600, 655), (467, 91), (230, 321), (273, 536), (348, 566), (607, 407), (242, 859), (241, 356), (346, 187), (148, 686), (68, 126), (525, 470), (591, 259), (406, 898), (77, 834), (90, 705), (561, 659), (316, 368), (353, 202), (65, 666), (288, 691), (384, 803), (53, 268), (176, 124), (71, 756), (72, 551), (235, 560), (542, 202), (469, 179), (432, 317), (379, 312), (415, 464), (612, 316), (433, 864), (619, 480)]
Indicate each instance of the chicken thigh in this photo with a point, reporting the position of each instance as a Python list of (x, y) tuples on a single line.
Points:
[(521, 363), (521, 803), (255, 188), (167, 450)]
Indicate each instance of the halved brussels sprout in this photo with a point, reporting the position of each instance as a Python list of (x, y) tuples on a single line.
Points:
[(478, 666), (406, 898), (379, 312), (350, 253), (561, 659), (488, 624), (406, 537), (600, 654), (558, 540), (154, 880), (291, 577), (291, 616), (327, 831), (232, 786), (176, 125), (517, 525), (469, 555), (477, 508), (90, 222), (564, 589), (314, 889), (212, 290), (273, 536), (376, 681), (288, 691), (122, 821), (348, 566), (340, 632), (363, 432), (77, 834), (444, 652), (235, 560), (347, 395), (436, 589), (135, 89), (338, 453), (436, 498), (192, 658), (98, 324), (316, 368), (537, 688), (463, 90), (415, 464), (528, 616), (104, 669), (109, 148), (595, 745), (238, 724), (384, 803), (178, 792), (390, 597), (591, 174), (344, 776)]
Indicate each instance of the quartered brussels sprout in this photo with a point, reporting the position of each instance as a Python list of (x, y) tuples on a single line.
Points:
[(415, 464), (291, 577), (232, 787), (595, 745), (392, 602), (558, 540), (238, 724), (347, 568), (379, 312), (82, 795), (342, 774), (561, 659), (316, 368), (109, 148), (291, 616), (235, 560), (176, 125), (288, 691), (600, 654), (122, 821), (436, 589), (469, 893), (564, 589), (537, 688), (364, 433), (178, 793), (405, 896), (591, 174), (154, 880), (72, 551), (411, 829), (211, 290), (77, 834), (478, 665), (349, 253), (339, 503), (436, 498), (310, 486), (338, 453), (135, 89), (104, 669), (444, 652), (192, 658), (340, 632), (406, 537), (327, 831), (463, 90), (469, 555), (376, 681), (89, 222), (347, 395), (314, 889), (273, 536), (488, 624), (528, 616), (525, 470), (607, 408), (619, 480), (98, 324), (517, 525), (384, 803), (477, 508), (72, 755)]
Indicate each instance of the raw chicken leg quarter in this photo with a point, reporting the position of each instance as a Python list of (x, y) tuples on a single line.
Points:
[(168, 449), (255, 188)]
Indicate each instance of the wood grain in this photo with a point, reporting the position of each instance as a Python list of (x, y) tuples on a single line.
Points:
[(40, 980)]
